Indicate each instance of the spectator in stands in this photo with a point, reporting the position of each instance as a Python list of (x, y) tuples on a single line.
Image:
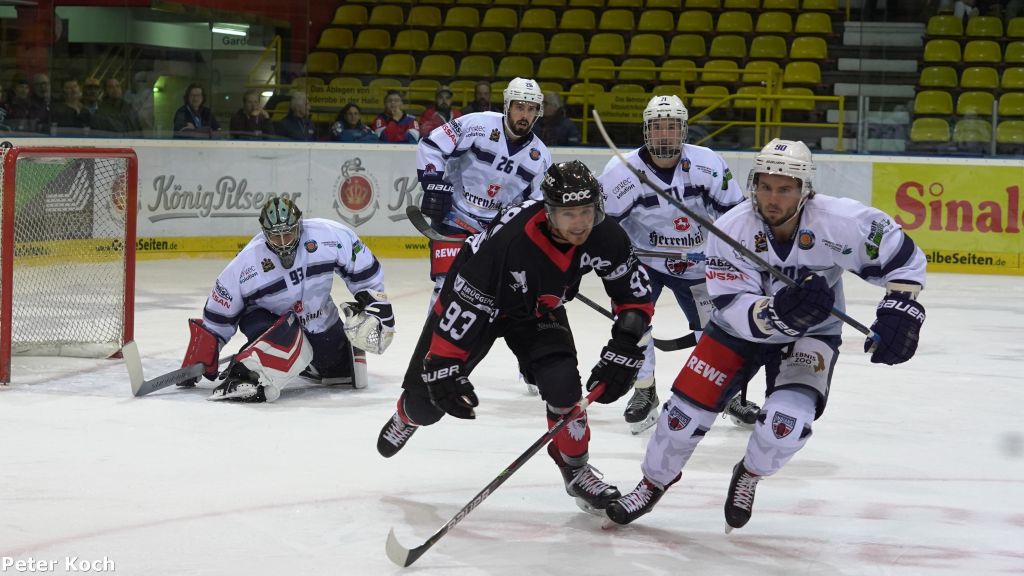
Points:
[(965, 9), (91, 92), (349, 126), (394, 125), (114, 117), (251, 122), (24, 114), (141, 97), (555, 128), (439, 113), (41, 96), (1013, 9), (297, 125), (3, 111), (71, 117), (482, 99), (195, 119)]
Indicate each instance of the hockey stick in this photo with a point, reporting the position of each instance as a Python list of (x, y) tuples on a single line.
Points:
[(141, 386), (664, 345), (739, 248), (405, 556)]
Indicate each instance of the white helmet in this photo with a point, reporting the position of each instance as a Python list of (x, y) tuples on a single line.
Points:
[(786, 157), (525, 90), (665, 107)]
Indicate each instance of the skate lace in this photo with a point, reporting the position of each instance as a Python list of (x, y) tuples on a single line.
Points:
[(398, 432), (589, 479), (638, 498), (743, 496), (639, 400)]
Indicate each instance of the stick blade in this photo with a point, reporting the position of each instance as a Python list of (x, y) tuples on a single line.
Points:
[(132, 360), (396, 552)]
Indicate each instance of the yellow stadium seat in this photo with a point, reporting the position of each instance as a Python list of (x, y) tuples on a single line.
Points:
[(386, 15), (813, 23), (736, 22), (774, 23), (689, 45), (982, 77), (618, 19), (768, 47), (462, 17), (350, 15), (781, 5), (944, 25), (550, 86), (972, 131), (938, 77), (513, 66), (656, 21), (705, 96), (669, 4), (821, 4), (933, 102), (307, 84), (802, 73), (669, 90), (676, 69), (720, 71), (397, 65), (695, 21), (475, 66), (437, 66), (359, 64), (1011, 104), (336, 38), (383, 84), (578, 19), (1013, 78), (983, 51), (538, 19), (487, 41), (761, 72), (587, 70), (728, 46), (647, 74), (629, 88), (526, 43), (606, 44), (1010, 132), (625, 3), (322, 63), (1015, 28), (556, 68), (809, 48), (449, 41), (373, 39), (796, 103), (975, 103), (586, 3), (984, 27), (579, 91), (503, 18), (741, 4), (570, 43), (345, 82), (929, 130), (424, 89), (712, 4), (942, 51), (646, 45), (751, 102), (424, 17), (411, 41), (519, 3), (1014, 53)]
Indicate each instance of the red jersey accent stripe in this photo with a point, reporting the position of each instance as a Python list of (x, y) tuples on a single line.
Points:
[(647, 308), (441, 347), (533, 231)]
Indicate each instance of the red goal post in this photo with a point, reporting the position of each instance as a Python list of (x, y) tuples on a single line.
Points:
[(67, 259)]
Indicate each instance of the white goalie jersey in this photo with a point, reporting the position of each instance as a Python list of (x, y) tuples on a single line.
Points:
[(834, 234), (701, 180), (486, 171), (255, 278)]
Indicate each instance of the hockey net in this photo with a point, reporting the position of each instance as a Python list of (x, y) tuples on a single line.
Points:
[(67, 262)]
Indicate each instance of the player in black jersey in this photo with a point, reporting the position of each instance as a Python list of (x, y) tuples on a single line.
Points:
[(511, 282)]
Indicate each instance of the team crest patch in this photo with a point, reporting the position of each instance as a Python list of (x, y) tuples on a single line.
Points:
[(685, 164), (677, 420), (760, 242), (495, 135), (534, 154), (310, 246), (268, 264), (782, 425), (676, 267), (805, 239)]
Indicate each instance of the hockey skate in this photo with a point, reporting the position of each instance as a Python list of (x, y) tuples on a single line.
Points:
[(394, 435), (240, 385), (742, 414), (584, 483), (637, 503), (739, 504), (642, 411)]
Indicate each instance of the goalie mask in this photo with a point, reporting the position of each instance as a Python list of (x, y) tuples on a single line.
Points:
[(281, 221), (786, 158), (522, 90), (665, 126)]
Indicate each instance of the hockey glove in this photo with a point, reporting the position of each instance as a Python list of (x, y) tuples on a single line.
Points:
[(449, 390), (437, 197), (203, 347), (619, 364), (897, 325), (795, 309), (370, 321)]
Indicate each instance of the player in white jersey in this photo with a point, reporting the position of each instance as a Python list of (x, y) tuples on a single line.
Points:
[(790, 330), (277, 291), (700, 179)]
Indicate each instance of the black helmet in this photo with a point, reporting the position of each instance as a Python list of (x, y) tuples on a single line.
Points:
[(280, 216), (571, 184)]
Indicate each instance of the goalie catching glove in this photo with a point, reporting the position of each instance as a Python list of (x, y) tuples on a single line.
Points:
[(370, 321), (897, 325)]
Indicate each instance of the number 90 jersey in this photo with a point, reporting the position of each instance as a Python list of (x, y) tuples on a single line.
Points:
[(516, 272), (486, 171), (255, 278)]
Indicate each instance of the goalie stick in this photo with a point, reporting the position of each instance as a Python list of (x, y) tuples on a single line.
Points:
[(141, 386), (420, 222), (405, 556), (710, 227)]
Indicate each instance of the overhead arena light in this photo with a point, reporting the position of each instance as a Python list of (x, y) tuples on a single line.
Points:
[(230, 29)]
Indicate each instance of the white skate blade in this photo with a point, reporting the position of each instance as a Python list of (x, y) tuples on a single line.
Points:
[(638, 427), (740, 423), (728, 529), (583, 505), (610, 524)]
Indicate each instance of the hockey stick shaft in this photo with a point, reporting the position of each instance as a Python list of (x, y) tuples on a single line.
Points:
[(404, 556), (141, 386), (710, 227), (663, 345)]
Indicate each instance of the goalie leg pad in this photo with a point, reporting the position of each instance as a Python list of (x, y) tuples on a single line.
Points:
[(278, 355), (681, 426), (782, 429), (203, 348)]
